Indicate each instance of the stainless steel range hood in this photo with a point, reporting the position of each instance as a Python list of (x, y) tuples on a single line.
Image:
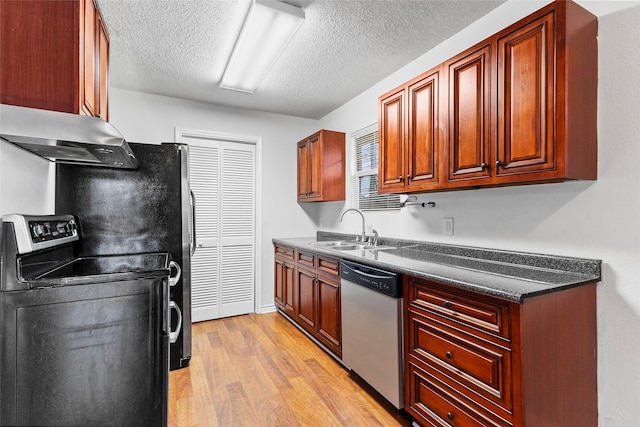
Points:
[(66, 138)]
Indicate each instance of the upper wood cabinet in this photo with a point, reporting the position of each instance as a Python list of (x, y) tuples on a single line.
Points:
[(391, 141), (519, 107), (534, 78), (54, 56), (469, 115), (410, 135), (321, 167)]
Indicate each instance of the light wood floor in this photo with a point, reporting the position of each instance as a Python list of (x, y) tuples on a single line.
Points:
[(260, 370)]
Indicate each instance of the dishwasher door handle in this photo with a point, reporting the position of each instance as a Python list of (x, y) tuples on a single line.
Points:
[(370, 275)]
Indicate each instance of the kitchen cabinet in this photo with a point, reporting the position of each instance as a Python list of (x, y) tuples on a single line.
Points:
[(54, 56), (284, 278), (535, 102), (321, 167), (469, 116), (410, 135), (473, 359), (307, 290), (318, 298), (519, 107)]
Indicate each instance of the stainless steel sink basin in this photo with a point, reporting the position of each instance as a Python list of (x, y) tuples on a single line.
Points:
[(342, 245), (361, 247), (330, 243)]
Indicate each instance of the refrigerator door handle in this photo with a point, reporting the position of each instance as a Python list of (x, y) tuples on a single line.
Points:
[(173, 335), (173, 279), (193, 222)]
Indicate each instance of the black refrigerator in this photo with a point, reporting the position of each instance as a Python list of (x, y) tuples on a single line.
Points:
[(149, 209)]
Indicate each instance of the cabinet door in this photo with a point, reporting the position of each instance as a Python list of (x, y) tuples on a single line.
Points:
[(303, 169), (315, 167), (279, 282), (424, 133), (103, 86), (329, 313), (391, 143), (469, 84), (289, 289), (89, 92), (40, 58), (284, 275), (526, 98), (306, 299)]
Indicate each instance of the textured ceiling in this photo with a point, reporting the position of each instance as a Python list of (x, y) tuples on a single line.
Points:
[(179, 48)]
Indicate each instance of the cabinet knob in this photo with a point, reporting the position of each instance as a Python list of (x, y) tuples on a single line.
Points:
[(498, 163), (408, 177), (483, 166), (450, 415), (447, 304), (401, 178), (449, 355)]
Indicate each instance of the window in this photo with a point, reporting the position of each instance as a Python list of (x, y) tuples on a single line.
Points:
[(365, 177)]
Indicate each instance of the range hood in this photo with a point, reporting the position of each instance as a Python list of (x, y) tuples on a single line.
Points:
[(66, 138)]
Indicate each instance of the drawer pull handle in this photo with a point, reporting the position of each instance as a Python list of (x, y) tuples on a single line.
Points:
[(447, 304), (450, 415), (449, 355)]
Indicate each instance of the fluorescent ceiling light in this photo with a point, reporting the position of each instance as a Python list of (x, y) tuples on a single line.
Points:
[(269, 27)]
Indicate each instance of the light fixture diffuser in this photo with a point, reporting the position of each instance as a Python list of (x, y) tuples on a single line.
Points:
[(269, 27)]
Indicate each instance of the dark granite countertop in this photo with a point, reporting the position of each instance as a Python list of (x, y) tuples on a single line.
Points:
[(509, 275)]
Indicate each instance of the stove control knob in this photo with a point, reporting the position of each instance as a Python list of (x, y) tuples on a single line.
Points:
[(38, 230)]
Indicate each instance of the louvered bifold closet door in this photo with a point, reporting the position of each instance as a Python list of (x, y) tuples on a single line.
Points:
[(223, 275), (204, 172), (238, 229)]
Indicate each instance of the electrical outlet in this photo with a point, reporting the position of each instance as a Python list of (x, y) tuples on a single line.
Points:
[(447, 226)]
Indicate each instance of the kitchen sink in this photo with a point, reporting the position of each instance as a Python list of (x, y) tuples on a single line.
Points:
[(342, 245), (330, 243)]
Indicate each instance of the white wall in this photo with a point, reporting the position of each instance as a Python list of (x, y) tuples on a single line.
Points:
[(149, 118), (584, 219), (26, 182)]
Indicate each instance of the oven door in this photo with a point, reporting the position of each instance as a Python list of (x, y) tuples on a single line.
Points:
[(93, 354)]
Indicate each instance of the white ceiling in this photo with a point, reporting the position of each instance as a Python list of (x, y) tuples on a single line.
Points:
[(179, 48)]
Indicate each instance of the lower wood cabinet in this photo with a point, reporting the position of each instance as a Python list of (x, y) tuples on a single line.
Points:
[(284, 278), (475, 360), (307, 290)]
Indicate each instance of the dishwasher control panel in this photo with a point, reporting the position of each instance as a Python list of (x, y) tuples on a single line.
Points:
[(382, 281)]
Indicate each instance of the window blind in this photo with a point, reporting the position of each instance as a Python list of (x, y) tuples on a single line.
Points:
[(366, 173)]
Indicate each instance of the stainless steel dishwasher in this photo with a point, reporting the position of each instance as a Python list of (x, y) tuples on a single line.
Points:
[(372, 328)]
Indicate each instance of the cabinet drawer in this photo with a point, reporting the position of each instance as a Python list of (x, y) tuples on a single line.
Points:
[(306, 259), (285, 251), (474, 367), (329, 266), (478, 312), (435, 404)]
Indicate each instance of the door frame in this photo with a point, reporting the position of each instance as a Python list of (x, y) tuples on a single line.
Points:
[(181, 133)]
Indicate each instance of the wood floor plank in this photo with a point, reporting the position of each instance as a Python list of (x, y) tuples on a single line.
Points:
[(261, 371)]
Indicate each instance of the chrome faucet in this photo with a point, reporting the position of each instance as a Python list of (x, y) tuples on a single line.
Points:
[(373, 240), (363, 237)]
